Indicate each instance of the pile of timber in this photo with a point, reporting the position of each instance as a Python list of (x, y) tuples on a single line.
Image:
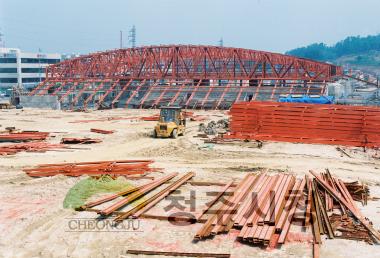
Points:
[(101, 131), (80, 141), (24, 136), (128, 196), (263, 208), (12, 149), (112, 168), (306, 123)]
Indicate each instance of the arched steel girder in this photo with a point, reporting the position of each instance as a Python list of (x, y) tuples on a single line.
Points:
[(183, 62)]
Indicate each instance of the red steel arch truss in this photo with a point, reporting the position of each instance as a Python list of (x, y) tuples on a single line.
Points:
[(186, 75)]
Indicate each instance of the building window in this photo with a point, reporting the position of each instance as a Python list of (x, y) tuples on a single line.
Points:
[(8, 70), (8, 80), (29, 80), (8, 60), (39, 61), (33, 70)]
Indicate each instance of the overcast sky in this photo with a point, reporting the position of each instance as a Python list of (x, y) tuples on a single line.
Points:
[(82, 26)]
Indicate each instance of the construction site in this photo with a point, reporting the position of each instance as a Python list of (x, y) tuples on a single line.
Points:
[(192, 151)]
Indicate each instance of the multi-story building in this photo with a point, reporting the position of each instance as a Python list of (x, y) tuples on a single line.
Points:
[(23, 69)]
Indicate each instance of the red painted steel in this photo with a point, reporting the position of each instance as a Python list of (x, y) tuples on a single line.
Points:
[(12, 149), (306, 123), (188, 61), (119, 167), (247, 72), (23, 136)]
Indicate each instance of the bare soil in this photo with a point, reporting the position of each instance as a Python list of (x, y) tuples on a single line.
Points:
[(35, 224)]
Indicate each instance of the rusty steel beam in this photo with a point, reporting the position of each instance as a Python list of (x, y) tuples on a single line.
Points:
[(143, 191), (339, 198), (172, 253), (147, 204)]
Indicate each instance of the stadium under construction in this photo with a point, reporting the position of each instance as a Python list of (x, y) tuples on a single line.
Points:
[(198, 77)]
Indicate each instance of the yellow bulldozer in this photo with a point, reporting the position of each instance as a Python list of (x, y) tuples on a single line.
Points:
[(172, 123)]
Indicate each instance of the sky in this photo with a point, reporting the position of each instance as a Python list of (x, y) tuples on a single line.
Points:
[(84, 26)]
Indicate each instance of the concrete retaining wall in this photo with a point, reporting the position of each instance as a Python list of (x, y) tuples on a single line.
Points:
[(43, 102)]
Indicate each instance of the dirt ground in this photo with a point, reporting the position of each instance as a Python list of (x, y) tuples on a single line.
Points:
[(35, 224)]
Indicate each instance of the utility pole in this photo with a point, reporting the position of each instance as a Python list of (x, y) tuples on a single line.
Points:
[(121, 39), (220, 42), (132, 36)]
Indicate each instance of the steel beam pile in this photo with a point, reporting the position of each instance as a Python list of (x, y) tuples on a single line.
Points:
[(11, 149), (113, 168), (186, 75), (23, 136), (306, 123), (334, 210), (264, 207), (101, 131), (80, 141), (130, 195), (257, 209)]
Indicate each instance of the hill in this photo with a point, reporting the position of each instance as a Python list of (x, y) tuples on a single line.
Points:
[(357, 52)]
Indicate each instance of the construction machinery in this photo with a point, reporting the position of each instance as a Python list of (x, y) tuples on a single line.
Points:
[(172, 123)]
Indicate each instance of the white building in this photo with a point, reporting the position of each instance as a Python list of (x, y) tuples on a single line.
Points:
[(25, 69)]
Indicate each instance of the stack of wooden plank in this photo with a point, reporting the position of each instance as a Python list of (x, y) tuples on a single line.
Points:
[(306, 123)]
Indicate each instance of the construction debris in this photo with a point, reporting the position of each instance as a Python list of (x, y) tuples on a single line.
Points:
[(306, 123), (24, 136), (341, 150), (171, 253), (213, 127), (101, 131), (359, 192), (28, 147), (80, 141), (112, 168)]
